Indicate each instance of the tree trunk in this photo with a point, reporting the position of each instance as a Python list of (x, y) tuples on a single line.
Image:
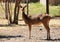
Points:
[(14, 21), (6, 10), (47, 6), (9, 13), (16, 12)]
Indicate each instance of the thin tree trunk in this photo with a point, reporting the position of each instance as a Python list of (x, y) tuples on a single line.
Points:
[(27, 7), (6, 10), (9, 13), (16, 12), (14, 21), (47, 6)]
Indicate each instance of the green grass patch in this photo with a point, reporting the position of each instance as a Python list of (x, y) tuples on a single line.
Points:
[(37, 8)]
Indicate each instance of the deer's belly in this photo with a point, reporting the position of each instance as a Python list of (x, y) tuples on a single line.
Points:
[(36, 23)]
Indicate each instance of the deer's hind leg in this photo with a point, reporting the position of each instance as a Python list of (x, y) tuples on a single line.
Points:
[(46, 25), (29, 31)]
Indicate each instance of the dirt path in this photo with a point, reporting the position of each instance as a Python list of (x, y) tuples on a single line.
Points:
[(38, 35)]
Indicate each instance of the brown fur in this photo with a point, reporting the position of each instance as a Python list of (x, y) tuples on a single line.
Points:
[(30, 20)]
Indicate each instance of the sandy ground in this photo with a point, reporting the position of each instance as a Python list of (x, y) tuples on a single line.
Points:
[(21, 30)]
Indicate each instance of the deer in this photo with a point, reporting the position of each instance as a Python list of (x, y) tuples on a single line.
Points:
[(30, 20)]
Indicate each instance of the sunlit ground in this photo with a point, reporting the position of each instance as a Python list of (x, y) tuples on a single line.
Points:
[(21, 29)]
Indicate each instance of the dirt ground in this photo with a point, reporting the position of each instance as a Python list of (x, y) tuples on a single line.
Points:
[(20, 32)]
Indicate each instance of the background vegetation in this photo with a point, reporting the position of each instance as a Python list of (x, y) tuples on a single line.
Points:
[(35, 8)]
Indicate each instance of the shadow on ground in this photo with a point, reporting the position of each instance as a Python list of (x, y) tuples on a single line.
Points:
[(7, 25), (52, 39), (10, 36)]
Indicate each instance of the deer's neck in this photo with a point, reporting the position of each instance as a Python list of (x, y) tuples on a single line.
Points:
[(24, 15), (25, 18)]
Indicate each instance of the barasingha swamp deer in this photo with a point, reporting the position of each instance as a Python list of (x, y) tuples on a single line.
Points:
[(44, 19)]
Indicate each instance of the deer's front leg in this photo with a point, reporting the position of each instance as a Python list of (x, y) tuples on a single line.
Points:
[(29, 31)]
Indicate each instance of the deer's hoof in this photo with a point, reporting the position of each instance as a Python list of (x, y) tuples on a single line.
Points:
[(49, 38)]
